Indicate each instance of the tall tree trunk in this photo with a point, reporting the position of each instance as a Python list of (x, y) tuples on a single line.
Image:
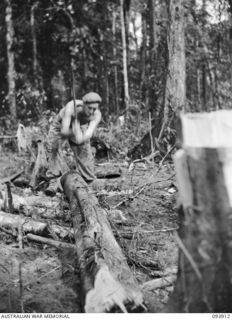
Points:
[(153, 29), (34, 41), (230, 45), (11, 61), (175, 94), (135, 38), (204, 86), (153, 85), (198, 79), (126, 10), (204, 67), (175, 90), (115, 61), (105, 61), (105, 73), (143, 87), (124, 49)]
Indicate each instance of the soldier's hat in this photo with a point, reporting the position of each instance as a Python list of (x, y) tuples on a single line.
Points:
[(91, 97)]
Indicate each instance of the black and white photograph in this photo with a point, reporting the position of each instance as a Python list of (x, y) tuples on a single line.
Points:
[(115, 158)]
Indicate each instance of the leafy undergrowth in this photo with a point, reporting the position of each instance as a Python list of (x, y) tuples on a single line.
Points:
[(141, 210)]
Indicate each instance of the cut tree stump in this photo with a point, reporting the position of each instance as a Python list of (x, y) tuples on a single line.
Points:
[(41, 164), (204, 171), (107, 282)]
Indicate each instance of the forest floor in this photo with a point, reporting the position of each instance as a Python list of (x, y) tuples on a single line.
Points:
[(40, 278)]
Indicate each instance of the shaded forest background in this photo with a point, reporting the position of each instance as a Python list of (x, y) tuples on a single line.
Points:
[(43, 41)]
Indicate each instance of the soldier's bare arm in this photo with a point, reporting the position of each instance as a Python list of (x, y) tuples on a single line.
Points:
[(66, 130)]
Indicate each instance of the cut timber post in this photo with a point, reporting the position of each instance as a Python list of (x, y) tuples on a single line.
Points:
[(204, 176), (108, 285)]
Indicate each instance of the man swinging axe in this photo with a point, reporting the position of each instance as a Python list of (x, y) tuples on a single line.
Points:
[(76, 122)]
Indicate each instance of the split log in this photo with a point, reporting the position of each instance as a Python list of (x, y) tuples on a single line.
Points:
[(106, 280), (204, 170)]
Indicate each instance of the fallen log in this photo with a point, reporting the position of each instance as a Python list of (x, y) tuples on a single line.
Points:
[(29, 225), (29, 202), (37, 206), (34, 226), (107, 172), (106, 280), (158, 283), (50, 242)]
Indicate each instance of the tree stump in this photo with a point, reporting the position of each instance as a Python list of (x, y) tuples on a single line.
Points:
[(41, 165), (204, 170), (107, 283)]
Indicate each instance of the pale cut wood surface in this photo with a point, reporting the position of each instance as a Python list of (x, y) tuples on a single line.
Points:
[(208, 130)]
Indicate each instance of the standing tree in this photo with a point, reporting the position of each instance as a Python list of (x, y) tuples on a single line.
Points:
[(34, 41), (230, 37), (115, 72), (175, 90), (124, 49), (11, 61), (175, 93), (143, 80), (204, 61)]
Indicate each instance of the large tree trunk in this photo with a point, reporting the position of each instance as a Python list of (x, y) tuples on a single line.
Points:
[(11, 61), (107, 282), (175, 94), (175, 91), (230, 40), (203, 64), (143, 81), (204, 171), (154, 82), (34, 41), (38, 81), (115, 60)]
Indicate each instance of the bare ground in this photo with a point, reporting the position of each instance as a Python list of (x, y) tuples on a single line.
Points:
[(40, 278)]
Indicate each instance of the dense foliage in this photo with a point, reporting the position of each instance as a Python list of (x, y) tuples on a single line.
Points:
[(54, 37)]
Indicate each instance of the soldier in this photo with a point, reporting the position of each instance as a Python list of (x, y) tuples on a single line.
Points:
[(77, 124)]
